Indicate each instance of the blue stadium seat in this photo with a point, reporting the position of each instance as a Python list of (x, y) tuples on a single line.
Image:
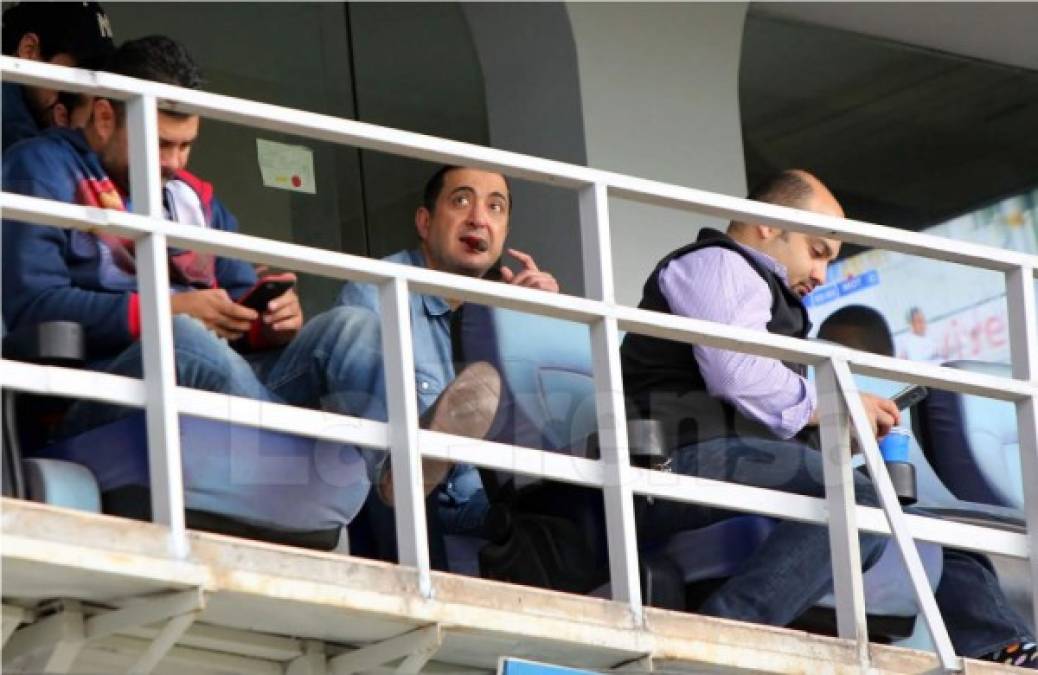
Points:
[(972, 442), (265, 479), (238, 480)]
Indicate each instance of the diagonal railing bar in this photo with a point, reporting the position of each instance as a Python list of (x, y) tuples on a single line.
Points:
[(895, 517)]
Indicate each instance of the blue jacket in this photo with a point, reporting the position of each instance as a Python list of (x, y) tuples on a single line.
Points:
[(19, 123), (51, 273)]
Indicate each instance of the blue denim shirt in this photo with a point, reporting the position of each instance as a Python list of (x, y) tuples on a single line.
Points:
[(433, 360)]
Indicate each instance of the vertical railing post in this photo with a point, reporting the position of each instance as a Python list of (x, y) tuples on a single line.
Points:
[(161, 415), (609, 399), (895, 516), (848, 587), (1023, 345), (402, 406)]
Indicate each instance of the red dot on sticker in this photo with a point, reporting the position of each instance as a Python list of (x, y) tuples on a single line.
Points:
[(296, 181)]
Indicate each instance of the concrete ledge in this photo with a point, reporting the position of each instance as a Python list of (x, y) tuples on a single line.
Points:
[(275, 590)]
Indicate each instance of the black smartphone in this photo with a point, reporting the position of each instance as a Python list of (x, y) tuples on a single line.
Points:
[(263, 292), (909, 396)]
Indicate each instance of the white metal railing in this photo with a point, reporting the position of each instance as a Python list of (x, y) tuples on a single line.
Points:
[(840, 407)]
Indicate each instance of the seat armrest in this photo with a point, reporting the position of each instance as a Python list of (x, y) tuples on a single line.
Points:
[(645, 438), (987, 515), (51, 342), (61, 483), (644, 441)]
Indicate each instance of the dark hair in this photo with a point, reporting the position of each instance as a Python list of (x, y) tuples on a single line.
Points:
[(868, 330), (156, 58), (79, 29), (434, 186), (786, 188)]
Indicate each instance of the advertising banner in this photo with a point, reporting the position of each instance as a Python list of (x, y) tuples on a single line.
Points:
[(938, 311)]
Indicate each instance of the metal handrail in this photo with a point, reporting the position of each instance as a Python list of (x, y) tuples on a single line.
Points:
[(839, 405)]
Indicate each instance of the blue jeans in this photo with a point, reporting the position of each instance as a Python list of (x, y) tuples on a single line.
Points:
[(792, 570), (333, 364), (330, 365)]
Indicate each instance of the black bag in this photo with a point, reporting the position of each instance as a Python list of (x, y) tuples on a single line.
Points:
[(543, 551)]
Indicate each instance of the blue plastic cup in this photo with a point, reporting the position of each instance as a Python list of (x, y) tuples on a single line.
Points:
[(894, 446)]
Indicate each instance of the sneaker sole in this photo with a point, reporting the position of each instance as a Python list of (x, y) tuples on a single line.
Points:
[(467, 407)]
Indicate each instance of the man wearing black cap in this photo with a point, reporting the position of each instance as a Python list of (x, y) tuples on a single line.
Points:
[(64, 33)]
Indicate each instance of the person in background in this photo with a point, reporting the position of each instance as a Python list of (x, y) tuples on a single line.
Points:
[(76, 34), (916, 345), (858, 327), (220, 345)]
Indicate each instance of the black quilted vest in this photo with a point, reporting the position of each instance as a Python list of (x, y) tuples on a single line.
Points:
[(662, 379)]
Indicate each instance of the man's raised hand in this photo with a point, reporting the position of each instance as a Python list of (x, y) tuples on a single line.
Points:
[(530, 276)]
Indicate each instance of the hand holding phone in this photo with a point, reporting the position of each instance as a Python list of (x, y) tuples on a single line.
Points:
[(265, 290), (909, 396)]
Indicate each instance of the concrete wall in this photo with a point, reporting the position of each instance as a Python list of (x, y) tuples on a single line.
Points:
[(659, 88), (533, 106)]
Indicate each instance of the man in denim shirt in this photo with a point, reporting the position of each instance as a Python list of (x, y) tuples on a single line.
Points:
[(462, 225)]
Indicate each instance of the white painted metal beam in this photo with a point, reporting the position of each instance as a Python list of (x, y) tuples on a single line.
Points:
[(344, 266), (144, 613), (231, 640), (896, 519), (621, 535), (162, 643), (118, 648), (285, 418), (422, 641), (12, 618), (49, 645), (848, 586), (167, 484), (437, 150), (402, 406), (312, 662), (605, 318), (71, 382), (1023, 343)]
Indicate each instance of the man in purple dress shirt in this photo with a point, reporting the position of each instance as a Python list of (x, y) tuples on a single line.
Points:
[(748, 419)]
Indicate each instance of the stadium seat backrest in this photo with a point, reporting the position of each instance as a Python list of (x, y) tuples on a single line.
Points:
[(973, 442), (545, 364)]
